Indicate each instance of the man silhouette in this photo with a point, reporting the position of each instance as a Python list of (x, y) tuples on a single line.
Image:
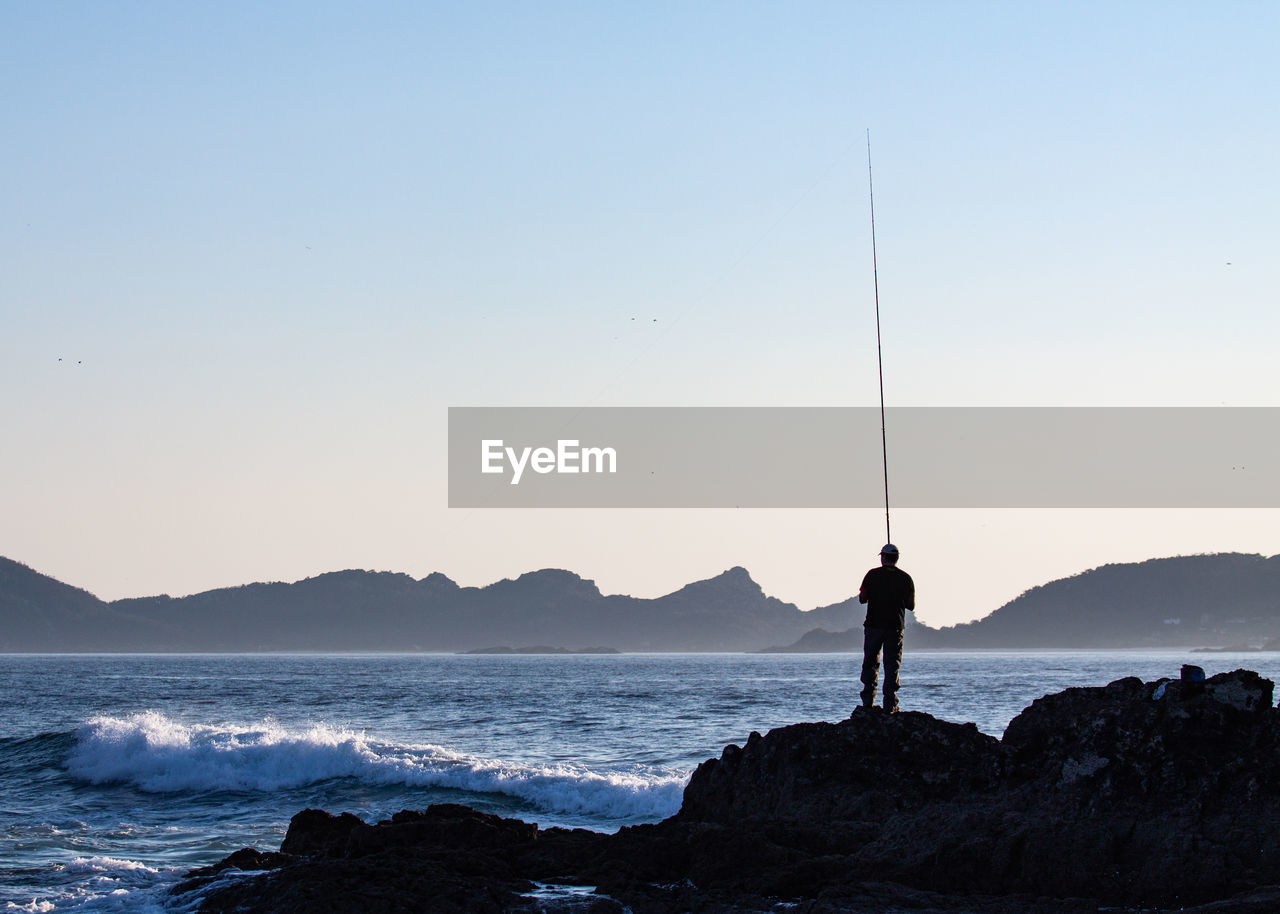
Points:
[(888, 592)]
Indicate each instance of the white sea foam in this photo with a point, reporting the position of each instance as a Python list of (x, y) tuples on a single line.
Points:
[(108, 887), (157, 754), (107, 865)]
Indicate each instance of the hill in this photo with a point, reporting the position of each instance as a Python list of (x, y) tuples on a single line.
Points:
[(381, 611), (1225, 600), (1213, 601), (1221, 600)]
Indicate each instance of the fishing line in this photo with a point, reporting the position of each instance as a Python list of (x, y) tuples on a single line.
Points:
[(875, 277)]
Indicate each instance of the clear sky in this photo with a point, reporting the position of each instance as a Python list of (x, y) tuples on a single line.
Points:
[(251, 253)]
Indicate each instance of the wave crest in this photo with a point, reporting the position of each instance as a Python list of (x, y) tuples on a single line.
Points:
[(157, 754), (102, 864)]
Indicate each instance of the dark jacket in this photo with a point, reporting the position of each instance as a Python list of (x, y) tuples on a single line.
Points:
[(888, 592)]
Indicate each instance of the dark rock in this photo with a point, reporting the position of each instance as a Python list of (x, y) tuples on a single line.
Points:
[(316, 832), (1135, 794), (441, 828), (448, 858), (246, 859), (1153, 792), (857, 769), (405, 885)]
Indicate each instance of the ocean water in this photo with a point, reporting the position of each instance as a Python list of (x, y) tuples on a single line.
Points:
[(118, 773)]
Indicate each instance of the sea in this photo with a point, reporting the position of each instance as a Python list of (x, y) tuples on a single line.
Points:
[(121, 773)]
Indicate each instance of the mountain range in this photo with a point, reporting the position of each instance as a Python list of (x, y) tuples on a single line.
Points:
[(1221, 600)]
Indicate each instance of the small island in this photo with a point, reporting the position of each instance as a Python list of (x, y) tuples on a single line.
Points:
[(541, 649), (1268, 646)]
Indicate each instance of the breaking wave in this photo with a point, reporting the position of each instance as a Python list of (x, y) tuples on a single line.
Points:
[(157, 754)]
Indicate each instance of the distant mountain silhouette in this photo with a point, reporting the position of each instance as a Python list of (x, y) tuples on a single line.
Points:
[(1216, 600), (1191, 601), (38, 613), (1223, 600), (381, 611)]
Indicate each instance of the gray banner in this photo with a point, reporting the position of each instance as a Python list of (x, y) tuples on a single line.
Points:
[(829, 457)]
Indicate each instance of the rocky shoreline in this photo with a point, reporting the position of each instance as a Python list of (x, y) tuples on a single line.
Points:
[(1131, 796)]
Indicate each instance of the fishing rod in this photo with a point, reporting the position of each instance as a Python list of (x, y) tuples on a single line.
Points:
[(875, 276)]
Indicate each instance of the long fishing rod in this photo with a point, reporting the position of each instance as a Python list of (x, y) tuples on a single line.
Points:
[(875, 275)]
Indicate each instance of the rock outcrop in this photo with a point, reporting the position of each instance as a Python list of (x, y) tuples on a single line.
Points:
[(1161, 794)]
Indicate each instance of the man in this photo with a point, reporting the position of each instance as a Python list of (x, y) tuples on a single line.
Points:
[(888, 592)]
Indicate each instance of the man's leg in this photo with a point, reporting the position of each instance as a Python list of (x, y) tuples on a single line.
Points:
[(892, 661), (872, 639)]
